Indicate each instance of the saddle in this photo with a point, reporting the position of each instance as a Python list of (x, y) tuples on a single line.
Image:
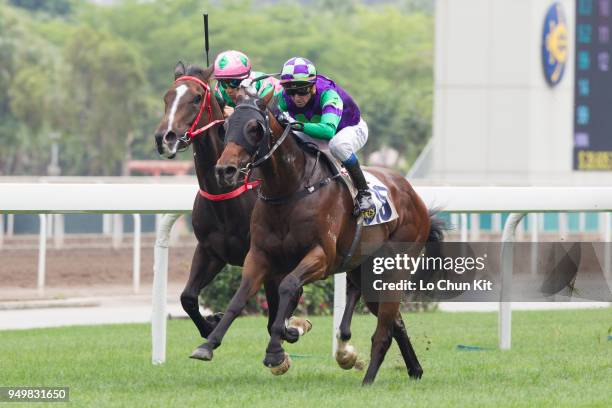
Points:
[(314, 146), (385, 210)]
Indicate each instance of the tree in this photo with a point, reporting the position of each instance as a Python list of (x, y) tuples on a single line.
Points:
[(107, 85)]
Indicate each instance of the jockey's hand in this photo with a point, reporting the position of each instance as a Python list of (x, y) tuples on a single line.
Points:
[(227, 111), (246, 83), (282, 120), (299, 126)]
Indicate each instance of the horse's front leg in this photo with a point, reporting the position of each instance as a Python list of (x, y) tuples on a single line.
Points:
[(312, 267), (296, 326), (253, 274), (204, 268)]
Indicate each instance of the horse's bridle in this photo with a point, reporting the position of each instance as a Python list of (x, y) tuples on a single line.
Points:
[(257, 161), (192, 131)]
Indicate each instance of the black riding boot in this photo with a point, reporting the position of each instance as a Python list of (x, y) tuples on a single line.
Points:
[(365, 205)]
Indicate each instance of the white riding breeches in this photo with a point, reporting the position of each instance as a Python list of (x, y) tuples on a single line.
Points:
[(349, 140)]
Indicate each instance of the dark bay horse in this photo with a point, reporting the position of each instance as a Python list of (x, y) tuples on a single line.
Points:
[(221, 227), (303, 240)]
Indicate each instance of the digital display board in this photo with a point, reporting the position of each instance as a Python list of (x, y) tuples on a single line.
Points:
[(593, 87)]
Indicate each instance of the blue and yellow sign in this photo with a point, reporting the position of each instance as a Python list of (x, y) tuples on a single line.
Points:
[(554, 44)]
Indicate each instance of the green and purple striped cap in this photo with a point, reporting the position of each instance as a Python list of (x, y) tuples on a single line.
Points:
[(298, 70)]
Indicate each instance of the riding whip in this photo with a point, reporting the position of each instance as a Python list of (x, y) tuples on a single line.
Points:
[(206, 36)]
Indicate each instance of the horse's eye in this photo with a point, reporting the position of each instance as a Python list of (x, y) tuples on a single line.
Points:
[(197, 99)]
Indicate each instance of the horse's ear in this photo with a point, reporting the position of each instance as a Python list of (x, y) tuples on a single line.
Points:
[(179, 70), (208, 72)]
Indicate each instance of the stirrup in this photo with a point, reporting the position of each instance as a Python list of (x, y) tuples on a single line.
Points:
[(368, 212)]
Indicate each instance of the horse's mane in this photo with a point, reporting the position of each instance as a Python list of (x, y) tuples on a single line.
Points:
[(273, 105)]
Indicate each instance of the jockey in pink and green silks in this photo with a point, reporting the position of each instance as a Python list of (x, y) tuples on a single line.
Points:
[(231, 68)]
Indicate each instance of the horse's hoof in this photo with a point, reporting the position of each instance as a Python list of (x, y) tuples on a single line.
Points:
[(302, 325), (214, 319), (274, 359), (291, 334), (359, 365), (416, 373), (202, 353), (346, 357), (283, 367)]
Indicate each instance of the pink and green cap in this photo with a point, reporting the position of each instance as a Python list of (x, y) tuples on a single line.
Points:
[(232, 65), (298, 69)]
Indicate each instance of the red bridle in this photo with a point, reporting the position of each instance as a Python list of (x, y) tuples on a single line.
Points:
[(191, 133)]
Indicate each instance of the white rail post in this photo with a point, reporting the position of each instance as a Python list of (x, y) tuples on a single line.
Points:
[(107, 224), (464, 227), (42, 253), (58, 231), (117, 230), (339, 306), (160, 284), (475, 230), (496, 222), (49, 225), (563, 226), (455, 221), (507, 260), (1, 230), (535, 236), (136, 256), (608, 243), (10, 225)]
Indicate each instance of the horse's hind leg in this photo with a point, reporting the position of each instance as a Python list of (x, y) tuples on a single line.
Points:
[(403, 342), (381, 340), (346, 355), (204, 268)]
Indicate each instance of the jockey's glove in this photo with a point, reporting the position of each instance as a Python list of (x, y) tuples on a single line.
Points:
[(299, 126)]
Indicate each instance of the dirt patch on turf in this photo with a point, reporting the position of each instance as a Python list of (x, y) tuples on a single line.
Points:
[(101, 271)]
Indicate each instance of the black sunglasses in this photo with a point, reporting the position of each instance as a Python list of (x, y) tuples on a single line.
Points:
[(298, 91), (230, 83)]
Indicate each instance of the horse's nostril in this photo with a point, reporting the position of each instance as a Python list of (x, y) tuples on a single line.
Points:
[(170, 137), (230, 171)]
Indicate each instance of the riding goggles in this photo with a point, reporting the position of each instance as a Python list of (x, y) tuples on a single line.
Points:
[(303, 91), (230, 83)]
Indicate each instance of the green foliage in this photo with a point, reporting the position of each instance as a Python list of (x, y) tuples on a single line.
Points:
[(105, 72), (104, 69), (317, 298), (217, 296)]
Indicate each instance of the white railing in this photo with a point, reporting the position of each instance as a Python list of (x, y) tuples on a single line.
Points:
[(175, 199)]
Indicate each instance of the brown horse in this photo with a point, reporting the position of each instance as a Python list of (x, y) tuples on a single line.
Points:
[(302, 237), (221, 227)]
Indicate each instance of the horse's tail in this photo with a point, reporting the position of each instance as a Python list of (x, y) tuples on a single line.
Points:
[(433, 249), (438, 226)]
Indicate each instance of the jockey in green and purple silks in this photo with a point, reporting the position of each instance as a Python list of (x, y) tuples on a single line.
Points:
[(231, 68), (324, 110)]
